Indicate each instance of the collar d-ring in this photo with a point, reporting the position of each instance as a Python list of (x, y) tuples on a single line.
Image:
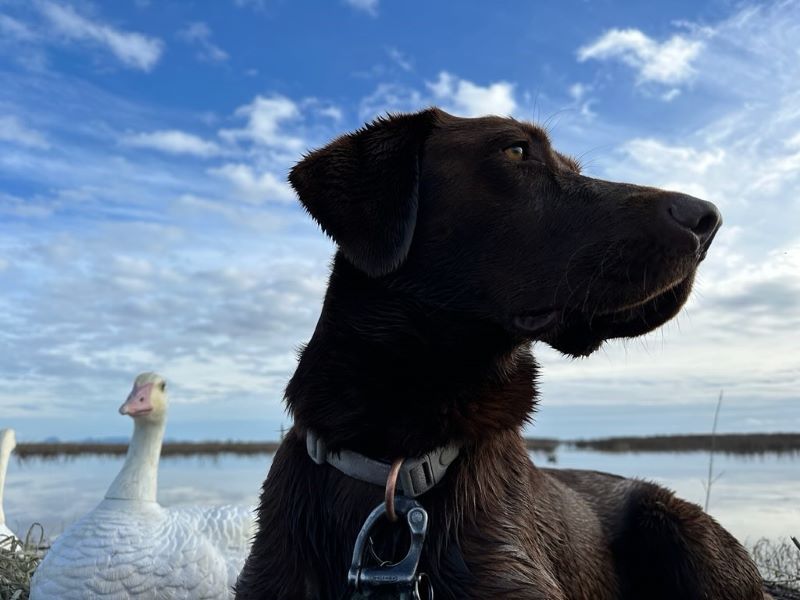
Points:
[(391, 486)]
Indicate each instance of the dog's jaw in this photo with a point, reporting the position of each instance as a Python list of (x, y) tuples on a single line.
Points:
[(581, 334)]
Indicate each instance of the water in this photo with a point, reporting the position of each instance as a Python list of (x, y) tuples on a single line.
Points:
[(754, 497)]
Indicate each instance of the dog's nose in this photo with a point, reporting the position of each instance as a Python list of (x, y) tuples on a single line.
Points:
[(698, 216)]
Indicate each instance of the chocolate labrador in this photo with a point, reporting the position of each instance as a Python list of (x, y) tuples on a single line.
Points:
[(460, 242)]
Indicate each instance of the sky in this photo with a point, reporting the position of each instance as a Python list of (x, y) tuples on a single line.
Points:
[(146, 222)]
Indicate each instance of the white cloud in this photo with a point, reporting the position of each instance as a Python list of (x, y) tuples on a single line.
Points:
[(255, 187), (663, 159), (254, 4), (194, 209), (763, 294), (133, 49), (400, 59), (265, 119), (14, 131), (579, 92), (199, 35), (468, 99), (368, 6), (173, 142), (668, 62), (390, 97), (458, 96), (670, 95), (332, 112), (794, 141)]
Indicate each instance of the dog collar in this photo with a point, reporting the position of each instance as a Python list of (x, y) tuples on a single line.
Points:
[(417, 475)]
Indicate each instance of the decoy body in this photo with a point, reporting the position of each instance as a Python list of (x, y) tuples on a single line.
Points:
[(131, 547), (7, 444)]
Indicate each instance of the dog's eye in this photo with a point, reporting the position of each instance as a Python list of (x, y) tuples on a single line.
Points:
[(515, 152)]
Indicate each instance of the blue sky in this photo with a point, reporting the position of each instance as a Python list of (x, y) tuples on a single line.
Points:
[(145, 221)]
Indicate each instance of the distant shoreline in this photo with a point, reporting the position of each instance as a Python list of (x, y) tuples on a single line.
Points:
[(731, 443), (723, 443)]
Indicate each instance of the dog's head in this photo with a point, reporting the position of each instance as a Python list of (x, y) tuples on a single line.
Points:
[(484, 217)]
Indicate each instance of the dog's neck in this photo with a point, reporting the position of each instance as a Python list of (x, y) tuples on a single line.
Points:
[(388, 377)]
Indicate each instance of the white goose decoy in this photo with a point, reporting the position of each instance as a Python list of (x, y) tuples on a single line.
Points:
[(7, 444), (129, 546)]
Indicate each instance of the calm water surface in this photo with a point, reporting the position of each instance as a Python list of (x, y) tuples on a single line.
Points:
[(754, 497)]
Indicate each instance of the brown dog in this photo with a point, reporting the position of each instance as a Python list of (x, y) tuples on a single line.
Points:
[(461, 241)]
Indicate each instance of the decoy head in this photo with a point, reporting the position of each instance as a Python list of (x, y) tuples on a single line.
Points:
[(148, 398)]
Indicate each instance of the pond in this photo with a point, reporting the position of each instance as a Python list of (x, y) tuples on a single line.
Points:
[(754, 497)]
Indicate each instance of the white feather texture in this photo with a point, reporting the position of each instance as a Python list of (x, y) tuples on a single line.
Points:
[(7, 444), (130, 547)]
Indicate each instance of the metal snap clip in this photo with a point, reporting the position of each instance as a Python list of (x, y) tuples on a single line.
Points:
[(400, 577)]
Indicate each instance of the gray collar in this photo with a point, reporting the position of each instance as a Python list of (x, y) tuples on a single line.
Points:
[(417, 475)]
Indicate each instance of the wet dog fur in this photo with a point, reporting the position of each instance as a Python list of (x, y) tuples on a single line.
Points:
[(461, 242)]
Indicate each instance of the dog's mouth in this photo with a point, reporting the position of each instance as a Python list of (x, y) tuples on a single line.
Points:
[(577, 332)]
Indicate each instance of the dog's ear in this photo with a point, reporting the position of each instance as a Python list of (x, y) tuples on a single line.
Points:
[(362, 189)]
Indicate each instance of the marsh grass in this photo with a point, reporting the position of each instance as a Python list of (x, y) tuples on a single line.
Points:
[(18, 561), (778, 561)]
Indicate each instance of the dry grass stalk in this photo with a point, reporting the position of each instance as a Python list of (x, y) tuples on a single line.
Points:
[(18, 561)]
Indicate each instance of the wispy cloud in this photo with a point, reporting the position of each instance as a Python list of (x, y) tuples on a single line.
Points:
[(668, 62), (14, 131), (368, 6), (579, 93), (135, 50), (198, 34), (172, 141), (13, 28), (390, 97), (22, 43), (400, 59), (260, 187)]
